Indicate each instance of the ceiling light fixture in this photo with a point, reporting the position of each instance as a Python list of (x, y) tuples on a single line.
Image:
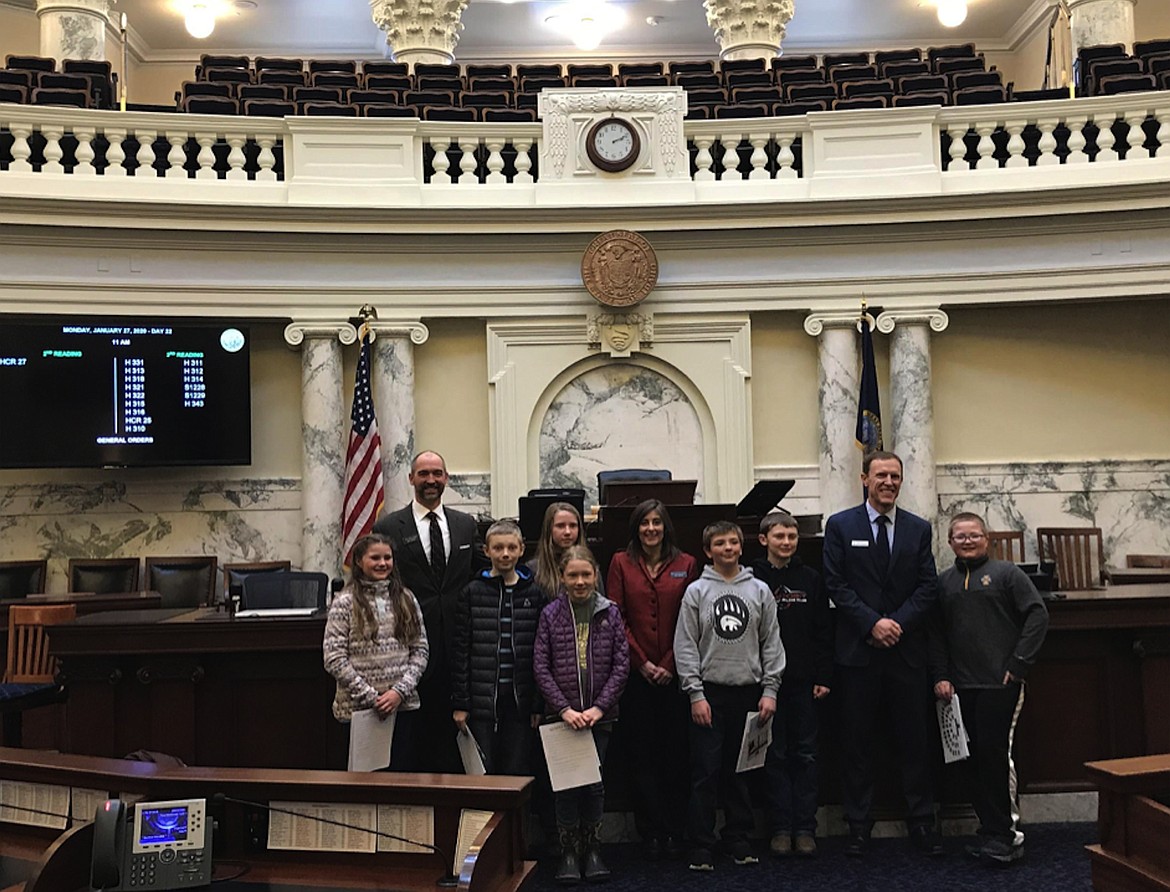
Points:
[(952, 13), (200, 20), (587, 22)]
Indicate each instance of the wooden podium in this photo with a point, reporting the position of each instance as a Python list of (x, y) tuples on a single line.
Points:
[(49, 860)]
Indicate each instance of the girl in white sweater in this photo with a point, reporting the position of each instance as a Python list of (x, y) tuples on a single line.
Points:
[(376, 645)]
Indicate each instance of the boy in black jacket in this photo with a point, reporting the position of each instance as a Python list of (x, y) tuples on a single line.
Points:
[(493, 692), (806, 630)]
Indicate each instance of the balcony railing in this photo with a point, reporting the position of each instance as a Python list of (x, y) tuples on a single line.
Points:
[(46, 152)]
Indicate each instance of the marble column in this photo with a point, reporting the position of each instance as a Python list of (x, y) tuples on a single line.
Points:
[(420, 30), (749, 29), (74, 29), (394, 343), (1101, 21), (911, 417), (324, 429), (838, 380)]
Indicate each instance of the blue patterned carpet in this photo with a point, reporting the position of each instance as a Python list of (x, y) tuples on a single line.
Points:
[(1055, 862)]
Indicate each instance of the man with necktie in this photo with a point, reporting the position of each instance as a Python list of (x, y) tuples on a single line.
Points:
[(880, 573), (435, 551)]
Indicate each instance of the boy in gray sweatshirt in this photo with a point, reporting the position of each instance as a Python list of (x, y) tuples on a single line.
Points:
[(729, 659)]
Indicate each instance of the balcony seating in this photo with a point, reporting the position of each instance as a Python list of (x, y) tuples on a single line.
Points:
[(491, 85), (735, 79), (216, 61), (753, 110), (599, 83), (13, 94), (952, 51), (838, 74), (922, 83), (788, 63), (750, 95), (1126, 83), (707, 97), (1144, 49), (276, 92), (833, 60), (698, 113), (879, 87), (640, 69), (329, 110), (75, 98), (18, 579), (887, 57), (502, 70), (447, 113), (805, 92), (699, 81), (927, 97), (1156, 65), (903, 68), (374, 97), (961, 80), (1099, 69), (979, 96), (542, 70), (182, 581), (380, 67), (536, 83), (950, 66), (345, 80), (589, 70), (210, 105), (343, 66), (104, 576), (437, 69), (1079, 554), (646, 80), (10, 78), (510, 115), (445, 82), (280, 76), (799, 108), (861, 102), (381, 110), (207, 88), (398, 82), (268, 108), (485, 100), (526, 100), (264, 63), (30, 63), (785, 79), (1039, 95), (424, 98), (740, 66), (301, 95)]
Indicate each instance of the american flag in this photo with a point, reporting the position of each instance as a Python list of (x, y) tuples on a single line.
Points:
[(364, 493)]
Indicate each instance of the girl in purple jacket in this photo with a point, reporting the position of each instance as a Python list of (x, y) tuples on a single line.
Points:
[(581, 663)]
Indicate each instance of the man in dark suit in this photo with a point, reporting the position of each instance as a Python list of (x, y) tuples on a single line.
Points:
[(436, 575), (879, 571)]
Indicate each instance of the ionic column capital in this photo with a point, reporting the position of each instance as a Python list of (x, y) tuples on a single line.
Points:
[(400, 328), (296, 332), (932, 316), (816, 323)]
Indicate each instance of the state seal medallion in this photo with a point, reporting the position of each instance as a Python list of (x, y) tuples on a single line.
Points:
[(619, 268)]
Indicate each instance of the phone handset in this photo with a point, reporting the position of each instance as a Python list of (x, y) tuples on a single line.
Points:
[(109, 841)]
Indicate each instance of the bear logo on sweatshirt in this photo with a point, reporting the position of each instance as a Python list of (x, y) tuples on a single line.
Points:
[(730, 617)]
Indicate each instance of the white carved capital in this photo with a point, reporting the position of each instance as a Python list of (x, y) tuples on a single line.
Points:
[(619, 334), (421, 30), (932, 316), (749, 29), (400, 328), (296, 332), (815, 323), (90, 7)]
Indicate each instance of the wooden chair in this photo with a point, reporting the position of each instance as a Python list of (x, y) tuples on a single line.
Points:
[(1006, 545), (1079, 553), (105, 576), (182, 581), (21, 578), (30, 668), (1147, 561)]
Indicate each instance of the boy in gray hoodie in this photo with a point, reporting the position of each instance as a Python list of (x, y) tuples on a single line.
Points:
[(729, 660)]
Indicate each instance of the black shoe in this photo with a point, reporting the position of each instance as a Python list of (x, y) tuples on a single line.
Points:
[(974, 850), (927, 840), (672, 847), (701, 859), (858, 842), (741, 853), (652, 849)]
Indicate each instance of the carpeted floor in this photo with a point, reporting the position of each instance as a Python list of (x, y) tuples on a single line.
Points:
[(1055, 862)]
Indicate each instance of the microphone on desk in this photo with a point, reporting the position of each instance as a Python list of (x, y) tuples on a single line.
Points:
[(447, 881)]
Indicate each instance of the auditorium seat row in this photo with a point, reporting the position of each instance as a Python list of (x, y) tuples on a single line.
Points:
[(84, 83), (1107, 69)]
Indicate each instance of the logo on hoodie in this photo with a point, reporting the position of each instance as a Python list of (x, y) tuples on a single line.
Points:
[(730, 617)]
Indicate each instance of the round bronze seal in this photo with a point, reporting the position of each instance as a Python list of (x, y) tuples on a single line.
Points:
[(619, 268)]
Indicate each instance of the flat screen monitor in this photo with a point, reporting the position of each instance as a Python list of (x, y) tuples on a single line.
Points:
[(85, 392)]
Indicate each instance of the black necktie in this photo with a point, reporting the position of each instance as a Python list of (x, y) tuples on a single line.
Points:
[(883, 543), (439, 557)]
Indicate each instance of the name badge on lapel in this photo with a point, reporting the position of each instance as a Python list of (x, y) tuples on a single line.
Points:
[(463, 547), (860, 543), (409, 540)]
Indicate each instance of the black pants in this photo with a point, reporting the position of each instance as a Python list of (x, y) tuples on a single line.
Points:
[(901, 694), (792, 761), (990, 715), (653, 729), (437, 749), (584, 806), (714, 752), (507, 742)]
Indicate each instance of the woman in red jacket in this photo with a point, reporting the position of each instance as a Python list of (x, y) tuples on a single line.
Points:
[(647, 582)]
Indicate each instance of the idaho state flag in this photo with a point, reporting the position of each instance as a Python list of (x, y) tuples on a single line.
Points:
[(869, 412)]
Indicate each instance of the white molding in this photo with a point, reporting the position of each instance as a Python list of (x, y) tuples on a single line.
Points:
[(296, 332)]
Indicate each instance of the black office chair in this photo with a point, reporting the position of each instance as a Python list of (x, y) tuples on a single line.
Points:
[(104, 576), (235, 574), (623, 475), (280, 591), (21, 578), (182, 581)]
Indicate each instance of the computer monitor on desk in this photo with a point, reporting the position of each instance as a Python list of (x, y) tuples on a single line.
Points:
[(633, 492)]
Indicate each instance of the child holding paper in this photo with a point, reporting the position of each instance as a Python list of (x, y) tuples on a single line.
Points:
[(581, 664), (375, 645)]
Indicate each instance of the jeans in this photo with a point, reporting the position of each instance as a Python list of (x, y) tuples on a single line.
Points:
[(792, 761), (714, 753)]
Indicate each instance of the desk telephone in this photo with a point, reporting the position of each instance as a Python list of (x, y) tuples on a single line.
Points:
[(151, 845)]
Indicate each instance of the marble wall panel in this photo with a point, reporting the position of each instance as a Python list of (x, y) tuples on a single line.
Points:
[(619, 416)]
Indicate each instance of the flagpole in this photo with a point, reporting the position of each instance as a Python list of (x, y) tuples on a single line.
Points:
[(125, 76)]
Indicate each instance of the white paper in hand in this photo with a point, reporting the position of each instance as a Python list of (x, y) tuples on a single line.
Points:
[(950, 726), (753, 749), (571, 756), (470, 754), (370, 739)]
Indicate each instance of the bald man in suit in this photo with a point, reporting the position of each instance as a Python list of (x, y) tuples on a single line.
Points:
[(436, 576), (880, 572)]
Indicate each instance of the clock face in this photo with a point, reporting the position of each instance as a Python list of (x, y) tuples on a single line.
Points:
[(612, 144)]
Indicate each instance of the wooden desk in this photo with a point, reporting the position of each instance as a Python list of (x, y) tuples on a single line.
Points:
[(1133, 821), (1100, 687), (1137, 575), (199, 685), (495, 863)]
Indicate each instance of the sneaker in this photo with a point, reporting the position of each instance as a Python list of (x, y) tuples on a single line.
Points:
[(806, 845), (701, 859), (999, 852), (781, 844), (742, 854)]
